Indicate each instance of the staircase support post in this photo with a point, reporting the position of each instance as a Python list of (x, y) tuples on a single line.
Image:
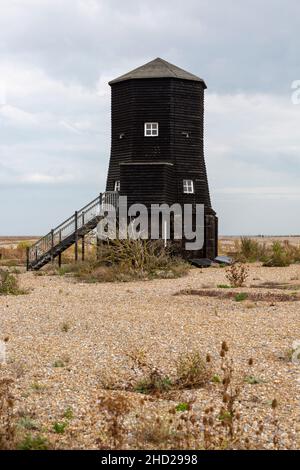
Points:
[(59, 256), (82, 247), (101, 200), (52, 245), (27, 258), (76, 237), (82, 240)]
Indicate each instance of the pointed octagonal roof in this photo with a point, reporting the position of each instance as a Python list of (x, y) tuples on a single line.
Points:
[(158, 68)]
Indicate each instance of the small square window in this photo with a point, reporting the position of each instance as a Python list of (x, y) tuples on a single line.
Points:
[(117, 186), (188, 186), (151, 129)]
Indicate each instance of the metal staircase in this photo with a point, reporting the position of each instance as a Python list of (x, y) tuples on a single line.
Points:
[(70, 231)]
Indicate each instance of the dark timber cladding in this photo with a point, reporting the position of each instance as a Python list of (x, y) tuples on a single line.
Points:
[(151, 169)]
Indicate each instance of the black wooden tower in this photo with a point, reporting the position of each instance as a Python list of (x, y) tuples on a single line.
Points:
[(157, 157), (157, 152)]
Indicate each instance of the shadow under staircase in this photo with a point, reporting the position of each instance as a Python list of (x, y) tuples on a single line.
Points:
[(47, 248)]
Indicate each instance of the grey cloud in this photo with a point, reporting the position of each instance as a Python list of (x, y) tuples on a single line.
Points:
[(58, 55)]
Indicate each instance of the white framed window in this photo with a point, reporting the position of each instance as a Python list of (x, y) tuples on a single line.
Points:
[(151, 129), (188, 186), (117, 186)]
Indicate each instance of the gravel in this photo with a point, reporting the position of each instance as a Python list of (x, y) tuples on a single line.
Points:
[(88, 329)]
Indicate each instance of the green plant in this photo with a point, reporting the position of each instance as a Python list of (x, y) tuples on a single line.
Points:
[(9, 284), (59, 363), (279, 257), (249, 250), (23, 245), (38, 387), (241, 296), (250, 379), (182, 407), (33, 443), (59, 427), (216, 379), (153, 383), (28, 423), (223, 286), (68, 414)]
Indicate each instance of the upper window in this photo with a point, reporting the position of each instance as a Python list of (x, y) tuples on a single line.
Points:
[(188, 186), (151, 129), (117, 186)]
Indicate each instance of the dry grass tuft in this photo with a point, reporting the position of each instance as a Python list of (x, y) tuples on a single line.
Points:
[(192, 371), (114, 409), (237, 274), (219, 425), (7, 429), (9, 284), (127, 260), (277, 255)]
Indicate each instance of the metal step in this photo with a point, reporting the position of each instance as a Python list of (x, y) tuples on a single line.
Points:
[(66, 234)]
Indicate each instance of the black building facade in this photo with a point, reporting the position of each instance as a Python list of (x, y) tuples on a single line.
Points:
[(157, 148)]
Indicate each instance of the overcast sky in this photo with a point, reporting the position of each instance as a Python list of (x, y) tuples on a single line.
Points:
[(56, 57)]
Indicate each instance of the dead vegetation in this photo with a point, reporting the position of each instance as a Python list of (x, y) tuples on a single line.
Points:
[(276, 254), (237, 274), (159, 420), (187, 425), (253, 296), (9, 284), (159, 405), (7, 428), (192, 371), (14, 255), (126, 260)]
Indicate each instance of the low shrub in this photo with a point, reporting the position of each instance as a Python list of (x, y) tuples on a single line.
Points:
[(31, 442), (181, 407), (280, 256), (126, 260), (237, 274), (250, 250), (28, 423), (9, 284), (59, 427), (154, 382), (192, 371), (241, 296)]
